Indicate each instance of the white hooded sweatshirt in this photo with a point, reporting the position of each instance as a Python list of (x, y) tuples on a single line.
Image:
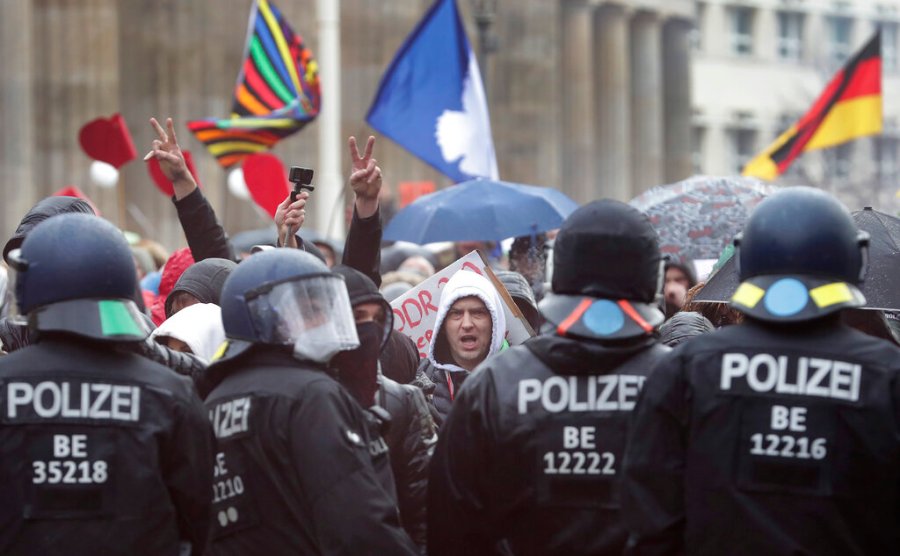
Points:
[(466, 283), (198, 325)]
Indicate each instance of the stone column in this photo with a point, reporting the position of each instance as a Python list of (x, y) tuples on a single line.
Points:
[(677, 101), (578, 147), (612, 117), (17, 143), (647, 151)]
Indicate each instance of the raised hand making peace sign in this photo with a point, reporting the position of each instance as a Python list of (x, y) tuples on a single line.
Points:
[(171, 160), (365, 178)]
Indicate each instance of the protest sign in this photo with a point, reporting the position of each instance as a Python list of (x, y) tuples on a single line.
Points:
[(416, 310)]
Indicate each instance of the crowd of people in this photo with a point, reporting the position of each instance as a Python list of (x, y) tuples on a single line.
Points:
[(258, 399)]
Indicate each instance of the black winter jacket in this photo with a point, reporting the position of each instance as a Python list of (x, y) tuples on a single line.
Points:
[(440, 398), (294, 474), (205, 235), (410, 439), (102, 453), (529, 459), (768, 440), (399, 359), (362, 249)]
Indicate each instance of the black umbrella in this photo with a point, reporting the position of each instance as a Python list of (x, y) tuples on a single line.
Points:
[(880, 285)]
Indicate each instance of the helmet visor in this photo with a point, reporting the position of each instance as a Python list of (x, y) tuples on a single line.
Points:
[(312, 313)]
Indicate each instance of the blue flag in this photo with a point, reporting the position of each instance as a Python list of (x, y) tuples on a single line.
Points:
[(431, 99)]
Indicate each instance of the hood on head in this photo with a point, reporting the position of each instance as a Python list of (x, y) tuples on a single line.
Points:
[(175, 266), (687, 267), (50, 206), (466, 283), (199, 326), (203, 280)]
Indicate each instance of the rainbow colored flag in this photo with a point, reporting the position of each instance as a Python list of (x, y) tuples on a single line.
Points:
[(277, 91)]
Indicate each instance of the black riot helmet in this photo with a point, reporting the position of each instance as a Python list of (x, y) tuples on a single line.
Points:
[(800, 256), (75, 274), (287, 297), (607, 274)]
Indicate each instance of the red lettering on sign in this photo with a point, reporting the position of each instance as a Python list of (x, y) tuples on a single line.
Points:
[(472, 267), (423, 342), (412, 321), (425, 300), (398, 318)]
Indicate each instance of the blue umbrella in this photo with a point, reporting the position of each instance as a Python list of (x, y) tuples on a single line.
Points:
[(480, 210)]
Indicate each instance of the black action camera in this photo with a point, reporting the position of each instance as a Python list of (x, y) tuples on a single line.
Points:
[(301, 178)]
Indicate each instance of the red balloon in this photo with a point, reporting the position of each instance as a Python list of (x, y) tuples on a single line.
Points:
[(160, 179), (108, 140), (266, 181)]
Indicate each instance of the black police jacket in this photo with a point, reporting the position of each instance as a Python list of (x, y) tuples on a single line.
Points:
[(293, 474), (768, 440), (101, 452), (410, 440), (529, 458)]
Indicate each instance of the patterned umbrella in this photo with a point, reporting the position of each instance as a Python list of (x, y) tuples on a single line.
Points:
[(698, 217)]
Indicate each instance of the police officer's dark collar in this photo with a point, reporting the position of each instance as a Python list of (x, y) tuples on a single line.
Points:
[(580, 356), (105, 320), (794, 298), (591, 318)]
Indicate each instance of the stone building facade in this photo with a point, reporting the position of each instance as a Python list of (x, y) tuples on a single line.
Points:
[(592, 97)]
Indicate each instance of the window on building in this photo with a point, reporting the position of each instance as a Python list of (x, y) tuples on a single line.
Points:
[(741, 26), (839, 161), (697, 31), (889, 46), (698, 134), (790, 36), (840, 32), (743, 147), (886, 150)]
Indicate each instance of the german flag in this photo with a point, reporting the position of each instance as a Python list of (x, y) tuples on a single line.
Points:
[(848, 108)]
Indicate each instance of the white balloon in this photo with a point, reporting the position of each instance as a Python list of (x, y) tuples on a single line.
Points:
[(237, 185), (104, 175)]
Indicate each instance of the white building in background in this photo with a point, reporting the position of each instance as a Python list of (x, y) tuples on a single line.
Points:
[(760, 64)]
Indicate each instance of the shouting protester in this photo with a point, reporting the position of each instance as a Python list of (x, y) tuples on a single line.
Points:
[(470, 326)]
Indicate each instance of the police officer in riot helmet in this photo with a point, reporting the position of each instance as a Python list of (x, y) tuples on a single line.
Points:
[(293, 474), (528, 461), (778, 435), (103, 451)]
